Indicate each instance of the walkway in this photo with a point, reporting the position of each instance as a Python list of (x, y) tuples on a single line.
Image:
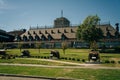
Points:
[(75, 65)]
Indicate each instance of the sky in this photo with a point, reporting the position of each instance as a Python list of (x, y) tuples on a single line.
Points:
[(21, 14)]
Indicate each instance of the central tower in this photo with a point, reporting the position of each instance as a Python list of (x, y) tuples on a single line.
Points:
[(61, 22)]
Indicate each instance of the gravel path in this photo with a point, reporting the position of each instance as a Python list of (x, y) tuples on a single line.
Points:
[(76, 65)]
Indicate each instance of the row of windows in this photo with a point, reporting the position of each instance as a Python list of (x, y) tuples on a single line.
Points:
[(52, 32), (37, 38)]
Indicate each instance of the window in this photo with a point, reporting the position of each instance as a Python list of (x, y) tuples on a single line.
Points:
[(43, 38), (46, 32), (59, 31), (30, 38), (63, 37), (40, 32), (65, 31), (28, 33), (24, 38), (50, 37), (52, 32), (72, 31), (34, 32), (37, 38)]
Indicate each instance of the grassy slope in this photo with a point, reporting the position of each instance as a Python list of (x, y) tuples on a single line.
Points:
[(87, 74)]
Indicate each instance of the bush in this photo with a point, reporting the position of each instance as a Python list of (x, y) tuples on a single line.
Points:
[(117, 49), (41, 56), (70, 58), (45, 57), (78, 59), (83, 60), (113, 61), (107, 61), (73, 59), (62, 58), (65, 58), (119, 62)]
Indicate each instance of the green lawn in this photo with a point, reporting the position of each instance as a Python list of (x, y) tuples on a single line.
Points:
[(85, 74), (70, 53)]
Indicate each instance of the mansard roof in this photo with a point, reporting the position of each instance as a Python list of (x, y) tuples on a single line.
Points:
[(55, 33), (107, 28)]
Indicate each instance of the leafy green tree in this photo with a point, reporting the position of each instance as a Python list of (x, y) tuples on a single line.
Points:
[(64, 46), (88, 30)]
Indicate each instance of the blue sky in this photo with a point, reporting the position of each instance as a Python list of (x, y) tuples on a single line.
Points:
[(18, 14)]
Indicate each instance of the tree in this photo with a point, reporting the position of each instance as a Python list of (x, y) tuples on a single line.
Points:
[(64, 46), (88, 31)]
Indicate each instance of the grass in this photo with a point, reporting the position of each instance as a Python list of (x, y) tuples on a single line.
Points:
[(70, 53), (32, 61), (85, 74)]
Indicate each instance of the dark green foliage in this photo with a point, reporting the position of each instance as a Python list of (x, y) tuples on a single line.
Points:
[(112, 61), (83, 60), (78, 59), (70, 58), (73, 59), (119, 62), (88, 31), (107, 61), (117, 49)]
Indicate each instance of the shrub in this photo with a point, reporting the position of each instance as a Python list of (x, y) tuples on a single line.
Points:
[(78, 59), (119, 62), (83, 60), (45, 57), (107, 61), (117, 49), (113, 61), (73, 59), (69, 58), (62, 58), (65, 58), (41, 56)]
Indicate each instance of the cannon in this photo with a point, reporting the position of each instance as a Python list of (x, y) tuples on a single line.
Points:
[(94, 56), (25, 53), (54, 54)]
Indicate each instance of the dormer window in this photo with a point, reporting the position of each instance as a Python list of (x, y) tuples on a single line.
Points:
[(37, 37), (43, 38), (50, 37), (52, 32), (72, 31), (108, 35), (34, 32), (59, 31), (46, 32), (65, 31), (28, 33), (63, 37), (40, 32), (30, 38), (24, 38)]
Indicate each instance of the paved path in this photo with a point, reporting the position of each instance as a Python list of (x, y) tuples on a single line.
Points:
[(76, 65)]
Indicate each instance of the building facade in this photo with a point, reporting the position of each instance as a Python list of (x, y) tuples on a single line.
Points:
[(62, 31)]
